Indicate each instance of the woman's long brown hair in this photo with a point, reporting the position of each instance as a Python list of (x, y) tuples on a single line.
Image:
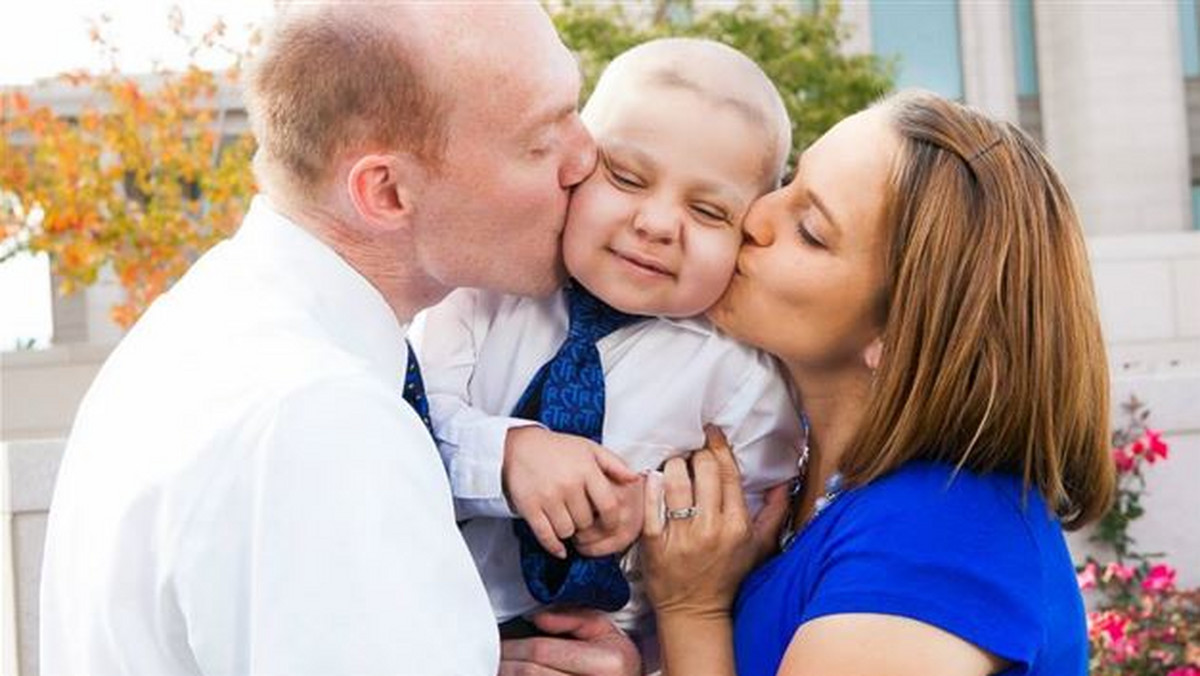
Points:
[(992, 358)]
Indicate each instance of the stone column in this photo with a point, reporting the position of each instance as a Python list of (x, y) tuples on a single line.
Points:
[(856, 15), (988, 58), (69, 314), (83, 316), (1112, 95), (101, 297)]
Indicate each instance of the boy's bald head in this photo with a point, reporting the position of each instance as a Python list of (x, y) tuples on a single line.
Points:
[(712, 71)]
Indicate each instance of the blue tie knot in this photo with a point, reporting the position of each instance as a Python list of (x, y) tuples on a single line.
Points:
[(590, 318)]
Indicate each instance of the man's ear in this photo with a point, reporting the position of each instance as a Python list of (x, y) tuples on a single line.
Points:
[(873, 354), (381, 188)]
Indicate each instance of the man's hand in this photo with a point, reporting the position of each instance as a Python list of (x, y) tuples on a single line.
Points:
[(601, 539), (587, 643), (561, 484)]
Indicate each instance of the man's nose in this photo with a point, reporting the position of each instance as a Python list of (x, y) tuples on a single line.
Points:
[(580, 160)]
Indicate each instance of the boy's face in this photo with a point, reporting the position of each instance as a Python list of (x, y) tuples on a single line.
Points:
[(656, 228)]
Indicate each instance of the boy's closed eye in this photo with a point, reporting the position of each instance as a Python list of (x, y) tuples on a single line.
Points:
[(624, 177)]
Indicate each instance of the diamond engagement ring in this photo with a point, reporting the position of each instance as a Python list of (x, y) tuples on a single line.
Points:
[(685, 513)]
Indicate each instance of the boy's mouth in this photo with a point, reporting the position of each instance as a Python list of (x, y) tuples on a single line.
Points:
[(643, 262)]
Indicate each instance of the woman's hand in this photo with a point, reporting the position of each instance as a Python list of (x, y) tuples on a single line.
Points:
[(693, 565)]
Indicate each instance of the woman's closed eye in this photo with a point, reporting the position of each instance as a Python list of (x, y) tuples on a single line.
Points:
[(808, 234)]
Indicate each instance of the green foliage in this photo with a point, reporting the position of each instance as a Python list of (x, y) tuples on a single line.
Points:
[(798, 49)]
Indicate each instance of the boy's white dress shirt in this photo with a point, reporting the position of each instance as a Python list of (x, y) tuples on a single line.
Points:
[(246, 492), (664, 380)]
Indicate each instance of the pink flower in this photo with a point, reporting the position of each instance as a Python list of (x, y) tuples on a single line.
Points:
[(1116, 570), (1137, 448), (1124, 648), (1161, 656), (1110, 624), (1156, 447), (1124, 459), (1087, 577), (1184, 671), (1160, 578)]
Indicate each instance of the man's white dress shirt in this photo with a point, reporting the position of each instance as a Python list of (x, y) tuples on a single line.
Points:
[(246, 492), (664, 380)]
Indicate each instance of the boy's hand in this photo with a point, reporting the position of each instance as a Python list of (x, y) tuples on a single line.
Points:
[(602, 539), (561, 483)]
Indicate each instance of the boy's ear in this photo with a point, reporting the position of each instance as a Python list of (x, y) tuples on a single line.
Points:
[(873, 354), (381, 188)]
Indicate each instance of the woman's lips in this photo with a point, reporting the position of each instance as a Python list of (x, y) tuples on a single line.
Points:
[(643, 263), (739, 267)]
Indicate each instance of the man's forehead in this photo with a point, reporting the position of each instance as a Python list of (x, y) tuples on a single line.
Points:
[(546, 95)]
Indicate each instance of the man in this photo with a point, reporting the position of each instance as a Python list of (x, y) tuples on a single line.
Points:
[(245, 490)]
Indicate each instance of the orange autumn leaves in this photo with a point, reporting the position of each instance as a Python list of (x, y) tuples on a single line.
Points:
[(143, 176)]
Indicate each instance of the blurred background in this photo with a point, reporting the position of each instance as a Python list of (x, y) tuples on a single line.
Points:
[(124, 155)]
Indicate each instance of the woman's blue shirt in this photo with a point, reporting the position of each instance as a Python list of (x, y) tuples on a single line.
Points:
[(971, 554)]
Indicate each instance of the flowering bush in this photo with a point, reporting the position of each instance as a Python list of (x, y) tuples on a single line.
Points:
[(150, 172), (1142, 624)]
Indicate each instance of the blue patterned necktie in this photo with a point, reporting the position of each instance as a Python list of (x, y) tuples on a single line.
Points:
[(567, 395), (414, 388)]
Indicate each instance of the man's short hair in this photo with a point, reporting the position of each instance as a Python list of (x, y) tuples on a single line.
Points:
[(331, 79)]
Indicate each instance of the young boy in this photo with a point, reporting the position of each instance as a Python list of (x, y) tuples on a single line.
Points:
[(546, 409)]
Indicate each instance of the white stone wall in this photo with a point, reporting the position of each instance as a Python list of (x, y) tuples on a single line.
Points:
[(1148, 288), (40, 389)]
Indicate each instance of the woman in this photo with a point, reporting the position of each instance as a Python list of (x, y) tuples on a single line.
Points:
[(925, 282)]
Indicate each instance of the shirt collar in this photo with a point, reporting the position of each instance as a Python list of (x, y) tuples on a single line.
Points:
[(699, 324), (350, 310)]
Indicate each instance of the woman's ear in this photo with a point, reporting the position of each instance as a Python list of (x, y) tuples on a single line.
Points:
[(873, 354)]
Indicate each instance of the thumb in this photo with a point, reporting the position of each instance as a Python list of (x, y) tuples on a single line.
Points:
[(581, 623), (613, 466), (769, 521)]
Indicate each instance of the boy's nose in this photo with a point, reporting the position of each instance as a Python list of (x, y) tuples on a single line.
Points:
[(657, 223)]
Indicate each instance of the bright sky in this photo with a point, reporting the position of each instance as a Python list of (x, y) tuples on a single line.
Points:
[(41, 38)]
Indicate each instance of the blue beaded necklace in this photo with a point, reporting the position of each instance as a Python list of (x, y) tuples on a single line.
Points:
[(833, 486)]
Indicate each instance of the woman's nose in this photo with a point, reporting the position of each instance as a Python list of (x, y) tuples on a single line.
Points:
[(757, 229)]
